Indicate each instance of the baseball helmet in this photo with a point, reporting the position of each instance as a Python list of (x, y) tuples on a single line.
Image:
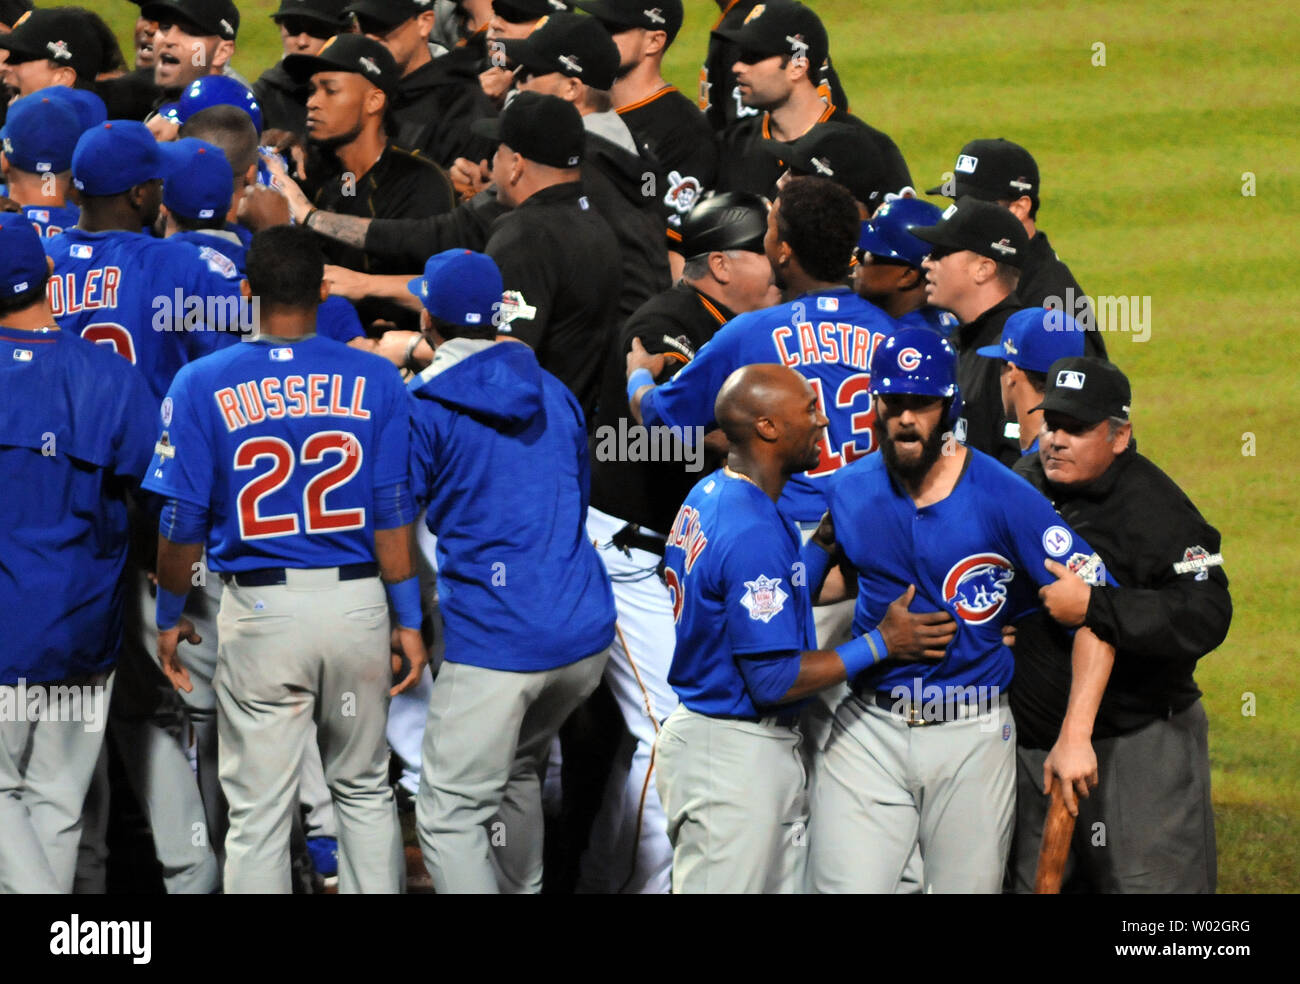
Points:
[(920, 361), (888, 233), (731, 220), (218, 90)]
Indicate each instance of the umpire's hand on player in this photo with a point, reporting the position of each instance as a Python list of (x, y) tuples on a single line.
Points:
[(1067, 599), (916, 635), (168, 642)]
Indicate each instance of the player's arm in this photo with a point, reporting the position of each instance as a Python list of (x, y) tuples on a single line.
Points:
[(177, 562), (357, 286), (1072, 758), (686, 400)]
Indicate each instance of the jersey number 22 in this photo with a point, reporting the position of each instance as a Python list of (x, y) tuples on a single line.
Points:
[(318, 519)]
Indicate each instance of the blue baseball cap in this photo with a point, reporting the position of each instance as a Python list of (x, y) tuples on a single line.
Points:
[(1035, 338), (40, 134), (116, 156), (22, 257), (460, 287), (199, 185), (170, 111), (218, 90), (90, 109)]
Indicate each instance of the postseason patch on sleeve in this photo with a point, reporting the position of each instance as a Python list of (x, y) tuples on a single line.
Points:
[(1197, 560)]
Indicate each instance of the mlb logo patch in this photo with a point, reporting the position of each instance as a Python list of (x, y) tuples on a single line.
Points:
[(966, 164), (1006, 732), (22, 355), (1071, 379), (284, 354), (39, 214), (828, 304), (82, 251)]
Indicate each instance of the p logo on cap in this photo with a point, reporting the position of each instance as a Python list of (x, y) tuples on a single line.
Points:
[(756, 13), (1070, 379)]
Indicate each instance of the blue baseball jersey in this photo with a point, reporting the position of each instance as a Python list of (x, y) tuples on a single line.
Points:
[(828, 337), (50, 220), (287, 446), (979, 554), (131, 292), (76, 433), (336, 318), (929, 316), (730, 565)]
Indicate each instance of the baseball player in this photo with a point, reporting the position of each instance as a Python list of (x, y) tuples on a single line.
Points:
[(305, 26), (1004, 172), (40, 133), (924, 754), (193, 38), (780, 45), (889, 272), (57, 47), (730, 770), (74, 439), (287, 457), (526, 603)]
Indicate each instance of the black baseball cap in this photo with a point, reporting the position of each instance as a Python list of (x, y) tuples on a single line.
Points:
[(785, 28), (329, 12), (545, 129), (11, 10), (389, 13), (213, 17), (994, 170), (1087, 388), (522, 11), (981, 227), (571, 44), (834, 151), (65, 37), (620, 15), (730, 220), (349, 53)]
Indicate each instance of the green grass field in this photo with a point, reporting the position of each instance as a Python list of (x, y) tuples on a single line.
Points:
[(1144, 160)]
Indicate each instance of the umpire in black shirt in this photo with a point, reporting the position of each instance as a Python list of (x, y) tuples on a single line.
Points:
[(1149, 826)]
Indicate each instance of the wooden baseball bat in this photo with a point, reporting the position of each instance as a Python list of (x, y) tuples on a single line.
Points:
[(1058, 829)]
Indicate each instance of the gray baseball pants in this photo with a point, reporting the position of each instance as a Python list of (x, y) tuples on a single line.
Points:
[(312, 650), (486, 742)]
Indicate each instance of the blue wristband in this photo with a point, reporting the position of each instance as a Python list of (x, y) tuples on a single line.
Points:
[(638, 379), (405, 597), (168, 608), (858, 654)]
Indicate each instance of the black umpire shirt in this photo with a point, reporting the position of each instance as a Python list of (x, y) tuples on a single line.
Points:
[(1044, 276), (554, 252), (1172, 606), (979, 380), (719, 97), (676, 323), (744, 166), (674, 135), (400, 183)]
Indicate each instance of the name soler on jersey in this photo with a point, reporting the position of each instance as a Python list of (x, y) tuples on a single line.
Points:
[(317, 394)]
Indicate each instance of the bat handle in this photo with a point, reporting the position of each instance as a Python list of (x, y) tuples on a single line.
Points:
[(1058, 829)]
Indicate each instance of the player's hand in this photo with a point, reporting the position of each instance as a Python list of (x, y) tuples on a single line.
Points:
[(1074, 762), (289, 145), (393, 344), (824, 535), (261, 208), (469, 178), (1009, 636), (412, 646), (639, 358), (168, 642), (916, 635), (299, 203), (164, 129), (345, 282), (496, 82), (1067, 599)]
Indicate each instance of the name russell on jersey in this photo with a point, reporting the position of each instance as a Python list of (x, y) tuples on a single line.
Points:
[(316, 395)]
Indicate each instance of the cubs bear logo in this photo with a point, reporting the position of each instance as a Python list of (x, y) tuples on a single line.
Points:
[(908, 359), (976, 586)]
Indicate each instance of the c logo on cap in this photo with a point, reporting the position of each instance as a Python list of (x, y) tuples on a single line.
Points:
[(908, 359)]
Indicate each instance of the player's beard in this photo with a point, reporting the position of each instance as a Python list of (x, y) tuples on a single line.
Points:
[(910, 472), (625, 69), (332, 144)]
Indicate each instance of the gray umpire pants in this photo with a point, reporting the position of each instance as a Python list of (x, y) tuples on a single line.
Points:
[(45, 770), (883, 787), (1148, 827), (486, 742), (736, 800), (314, 649)]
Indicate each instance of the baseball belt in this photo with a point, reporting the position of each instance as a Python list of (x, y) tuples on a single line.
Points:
[(264, 576)]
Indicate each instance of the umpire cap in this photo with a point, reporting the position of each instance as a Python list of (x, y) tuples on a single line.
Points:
[(349, 53), (994, 171), (1088, 389), (981, 227), (730, 220), (545, 129)]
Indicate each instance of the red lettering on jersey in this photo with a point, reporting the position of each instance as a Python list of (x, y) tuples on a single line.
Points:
[(358, 388), (876, 339), (830, 351), (808, 344), (271, 396), (54, 293), (861, 357), (89, 302), (252, 402), (686, 534), (316, 394), (229, 404), (112, 279), (336, 391), (293, 393), (70, 294), (778, 339)]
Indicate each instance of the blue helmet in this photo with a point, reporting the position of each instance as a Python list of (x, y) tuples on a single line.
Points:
[(920, 361), (888, 232), (219, 90)]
